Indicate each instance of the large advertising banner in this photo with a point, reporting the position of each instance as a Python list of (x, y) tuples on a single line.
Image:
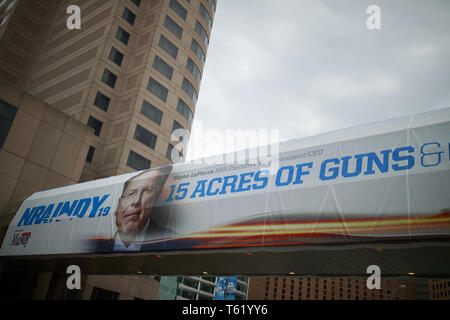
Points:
[(387, 181)]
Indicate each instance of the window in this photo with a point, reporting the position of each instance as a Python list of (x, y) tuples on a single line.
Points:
[(176, 125), (189, 89), (202, 33), (164, 68), (7, 115), (102, 294), (90, 154), (212, 5), (109, 78), (178, 8), (136, 2), (157, 89), (205, 14), (4, 20), (95, 124), (12, 4), (173, 27), (193, 69), (137, 162), (198, 51), (151, 112), (183, 108), (122, 36), (169, 153), (102, 101), (116, 56), (168, 47), (144, 136), (129, 16)]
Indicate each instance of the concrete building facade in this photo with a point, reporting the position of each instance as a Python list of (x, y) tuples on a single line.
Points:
[(94, 102), (308, 288), (197, 288), (132, 72)]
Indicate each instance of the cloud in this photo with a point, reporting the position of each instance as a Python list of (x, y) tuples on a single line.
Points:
[(307, 67)]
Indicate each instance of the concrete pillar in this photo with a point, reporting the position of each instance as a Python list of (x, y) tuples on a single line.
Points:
[(40, 292), (422, 289)]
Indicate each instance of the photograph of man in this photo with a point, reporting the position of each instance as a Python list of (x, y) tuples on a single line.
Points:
[(134, 209)]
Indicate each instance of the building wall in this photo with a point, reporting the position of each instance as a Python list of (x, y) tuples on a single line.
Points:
[(68, 73), (128, 287), (297, 288), (64, 68), (439, 289), (44, 149), (22, 34)]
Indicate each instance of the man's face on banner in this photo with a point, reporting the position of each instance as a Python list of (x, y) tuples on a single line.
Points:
[(135, 205)]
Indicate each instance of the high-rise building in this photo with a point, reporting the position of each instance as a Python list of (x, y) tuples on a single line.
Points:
[(132, 73), (439, 289), (198, 288), (309, 288)]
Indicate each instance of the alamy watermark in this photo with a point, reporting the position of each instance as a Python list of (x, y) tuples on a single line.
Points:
[(228, 146), (373, 21), (74, 20)]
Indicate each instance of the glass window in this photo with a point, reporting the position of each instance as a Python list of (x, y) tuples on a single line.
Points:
[(151, 112), (212, 5), (173, 27), (184, 109), (136, 2), (169, 153), (189, 89), (90, 154), (198, 51), (4, 20), (157, 89), (102, 101), (168, 46), (176, 125), (194, 70), (7, 115), (137, 162), (178, 8), (144, 136), (95, 124), (205, 14), (129, 16), (202, 33), (164, 68), (10, 5), (109, 78), (116, 56), (122, 36)]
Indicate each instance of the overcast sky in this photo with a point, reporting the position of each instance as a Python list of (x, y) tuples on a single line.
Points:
[(308, 67)]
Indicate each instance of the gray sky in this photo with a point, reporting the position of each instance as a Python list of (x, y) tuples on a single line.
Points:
[(308, 67)]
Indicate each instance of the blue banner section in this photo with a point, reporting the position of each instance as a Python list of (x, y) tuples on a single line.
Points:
[(55, 212), (349, 166)]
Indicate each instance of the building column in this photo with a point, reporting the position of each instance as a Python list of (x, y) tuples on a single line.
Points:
[(40, 292), (422, 289)]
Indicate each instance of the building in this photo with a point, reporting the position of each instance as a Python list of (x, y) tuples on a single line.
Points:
[(132, 72), (439, 289), (308, 288), (114, 90), (197, 288)]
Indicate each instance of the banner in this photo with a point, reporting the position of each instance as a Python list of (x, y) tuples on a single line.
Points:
[(387, 181)]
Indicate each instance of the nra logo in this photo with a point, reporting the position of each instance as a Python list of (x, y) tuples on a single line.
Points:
[(21, 239)]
